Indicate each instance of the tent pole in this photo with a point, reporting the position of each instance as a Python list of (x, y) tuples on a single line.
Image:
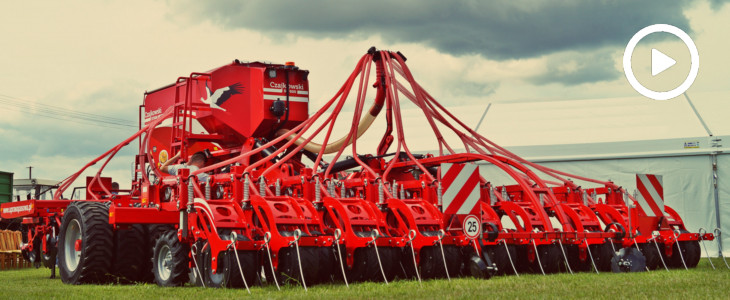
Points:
[(715, 179), (699, 117), (484, 114), (713, 160)]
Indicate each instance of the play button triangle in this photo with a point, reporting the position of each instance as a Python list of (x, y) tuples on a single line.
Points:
[(660, 62)]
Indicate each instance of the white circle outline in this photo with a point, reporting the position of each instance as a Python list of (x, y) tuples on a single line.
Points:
[(694, 61), (463, 225)]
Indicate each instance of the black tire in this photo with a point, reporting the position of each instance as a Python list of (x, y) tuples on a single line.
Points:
[(576, 264), (327, 263), (170, 260), (35, 255), (693, 252), (130, 262), (152, 233), (89, 222), (522, 262), (49, 258), (391, 257), (690, 252), (602, 255), (501, 258), (365, 266), (476, 266), (288, 268), (228, 274), (652, 255), (551, 259), (432, 262)]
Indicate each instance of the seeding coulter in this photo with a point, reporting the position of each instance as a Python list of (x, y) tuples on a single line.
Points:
[(278, 207)]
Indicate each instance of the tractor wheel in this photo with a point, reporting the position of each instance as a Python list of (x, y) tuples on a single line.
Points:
[(86, 243), (500, 256), (288, 269), (130, 261), (652, 255), (432, 262), (227, 274), (152, 233), (170, 260), (550, 257)]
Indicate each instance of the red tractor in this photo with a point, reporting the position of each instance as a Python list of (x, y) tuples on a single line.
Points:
[(231, 189)]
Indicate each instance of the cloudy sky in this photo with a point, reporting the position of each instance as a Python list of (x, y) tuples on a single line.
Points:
[(73, 73)]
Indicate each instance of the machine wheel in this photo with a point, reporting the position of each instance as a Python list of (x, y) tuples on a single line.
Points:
[(35, 255), (576, 265), (693, 252), (550, 258), (170, 260), (152, 233), (327, 263), (476, 266), (652, 255), (365, 266), (432, 262), (130, 261), (86, 243), (224, 276), (288, 269), (602, 254), (500, 257), (49, 259), (690, 253), (228, 274)]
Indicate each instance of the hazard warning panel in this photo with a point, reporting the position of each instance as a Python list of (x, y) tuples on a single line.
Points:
[(651, 194), (460, 188)]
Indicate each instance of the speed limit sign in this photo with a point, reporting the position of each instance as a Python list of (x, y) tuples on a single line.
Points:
[(471, 226)]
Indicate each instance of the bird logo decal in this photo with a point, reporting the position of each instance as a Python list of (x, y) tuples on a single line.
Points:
[(221, 95)]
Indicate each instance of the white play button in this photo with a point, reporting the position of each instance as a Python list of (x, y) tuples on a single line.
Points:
[(660, 62)]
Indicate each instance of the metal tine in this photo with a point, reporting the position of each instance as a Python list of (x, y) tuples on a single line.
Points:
[(702, 232)]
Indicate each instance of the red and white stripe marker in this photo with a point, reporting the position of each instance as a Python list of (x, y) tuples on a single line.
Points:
[(460, 186), (651, 194)]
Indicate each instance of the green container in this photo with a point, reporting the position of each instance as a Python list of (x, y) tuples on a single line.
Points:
[(6, 187)]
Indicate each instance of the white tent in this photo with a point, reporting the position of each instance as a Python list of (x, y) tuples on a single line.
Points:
[(618, 138)]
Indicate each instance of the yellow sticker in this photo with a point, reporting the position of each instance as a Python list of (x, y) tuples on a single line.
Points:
[(163, 156)]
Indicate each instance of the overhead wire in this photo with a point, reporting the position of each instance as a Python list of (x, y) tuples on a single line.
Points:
[(59, 113)]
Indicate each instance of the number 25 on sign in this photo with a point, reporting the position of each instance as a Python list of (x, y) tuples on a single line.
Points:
[(471, 226)]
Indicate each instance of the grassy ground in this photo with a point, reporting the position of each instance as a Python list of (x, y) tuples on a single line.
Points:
[(700, 283)]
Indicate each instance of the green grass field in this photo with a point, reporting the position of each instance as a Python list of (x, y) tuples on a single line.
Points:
[(700, 283)]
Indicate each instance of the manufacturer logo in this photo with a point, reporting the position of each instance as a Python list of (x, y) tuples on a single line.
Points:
[(221, 95), (283, 86), (18, 209)]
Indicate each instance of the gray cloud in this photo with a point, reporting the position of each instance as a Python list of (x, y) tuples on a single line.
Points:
[(573, 68), (499, 31)]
